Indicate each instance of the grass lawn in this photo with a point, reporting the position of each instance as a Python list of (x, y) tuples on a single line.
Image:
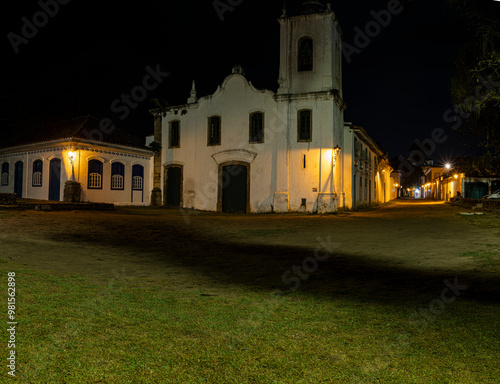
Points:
[(133, 329), (123, 331)]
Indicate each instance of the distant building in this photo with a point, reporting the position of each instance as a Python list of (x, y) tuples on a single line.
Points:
[(397, 191), (444, 182), (115, 169), (247, 150), (370, 169)]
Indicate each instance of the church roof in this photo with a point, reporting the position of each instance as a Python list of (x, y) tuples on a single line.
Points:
[(84, 127), (312, 6)]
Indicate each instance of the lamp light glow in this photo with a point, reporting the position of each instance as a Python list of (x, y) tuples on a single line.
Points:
[(336, 150), (72, 157)]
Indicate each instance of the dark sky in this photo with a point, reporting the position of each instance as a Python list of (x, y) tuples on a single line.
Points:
[(90, 52)]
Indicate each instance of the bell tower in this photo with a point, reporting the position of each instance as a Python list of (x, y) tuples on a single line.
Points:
[(310, 110), (310, 50)]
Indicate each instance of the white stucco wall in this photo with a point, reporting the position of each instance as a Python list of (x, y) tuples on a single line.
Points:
[(84, 152), (234, 101)]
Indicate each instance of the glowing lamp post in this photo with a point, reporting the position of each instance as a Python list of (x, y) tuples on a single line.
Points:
[(336, 151), (335, 154), (72, 189), (72, 156)]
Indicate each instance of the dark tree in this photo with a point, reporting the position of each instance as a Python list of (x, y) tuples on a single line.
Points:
[(475, 87)]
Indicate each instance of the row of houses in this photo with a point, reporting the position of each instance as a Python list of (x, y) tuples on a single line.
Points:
[(449, 180)]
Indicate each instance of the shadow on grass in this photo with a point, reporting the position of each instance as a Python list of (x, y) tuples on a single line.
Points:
[(271, 267)]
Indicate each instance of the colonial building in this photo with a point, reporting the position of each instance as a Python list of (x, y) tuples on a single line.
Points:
[(447, 181), (369, 167), (242, 149), (102, 163)]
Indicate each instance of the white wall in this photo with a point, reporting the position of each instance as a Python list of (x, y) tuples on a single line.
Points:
[(106, 155), (233, 101)]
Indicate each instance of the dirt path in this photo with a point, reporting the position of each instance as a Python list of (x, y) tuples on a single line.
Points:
[(420, 239)]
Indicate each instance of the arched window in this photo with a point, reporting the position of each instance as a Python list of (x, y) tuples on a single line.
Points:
[(304, 125), (37, 173), (117, 176), (174, 141), (95, 175), (305, 57), (137, 177), (257, 127), (5, 174)]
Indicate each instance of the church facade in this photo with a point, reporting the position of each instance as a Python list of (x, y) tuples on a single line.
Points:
[(247, 150)]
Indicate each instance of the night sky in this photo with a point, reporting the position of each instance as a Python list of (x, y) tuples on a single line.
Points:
[(91, 52)]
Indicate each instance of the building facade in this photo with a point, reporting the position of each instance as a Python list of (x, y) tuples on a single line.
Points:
[(116, 172), (247, 150)]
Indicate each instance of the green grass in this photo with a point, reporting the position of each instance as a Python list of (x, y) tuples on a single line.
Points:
[(485, 258), (131, 331), (488, 220)]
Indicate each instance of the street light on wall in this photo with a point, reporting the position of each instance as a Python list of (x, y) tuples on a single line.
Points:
[(336, 153), (72, 157), (336, 150)]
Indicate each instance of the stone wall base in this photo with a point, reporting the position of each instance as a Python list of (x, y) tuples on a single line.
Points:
[(72, 192), (281, 202), (327, 203)]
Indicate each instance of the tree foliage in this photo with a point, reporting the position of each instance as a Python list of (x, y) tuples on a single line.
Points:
[(475, 87)]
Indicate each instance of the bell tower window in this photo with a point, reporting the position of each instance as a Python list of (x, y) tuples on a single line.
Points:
[(304, 126), (305, 56)]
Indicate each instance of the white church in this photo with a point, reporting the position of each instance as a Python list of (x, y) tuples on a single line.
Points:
[(242, 149)]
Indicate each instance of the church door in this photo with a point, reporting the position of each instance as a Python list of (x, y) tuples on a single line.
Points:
[(55, 180), (173, 186), (234, 188), (18, 179)]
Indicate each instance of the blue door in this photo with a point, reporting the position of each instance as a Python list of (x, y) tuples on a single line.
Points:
[(475, 190), (18, 179), (55, 180)]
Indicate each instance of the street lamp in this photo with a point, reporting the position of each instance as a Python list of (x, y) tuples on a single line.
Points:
[(336, 151), (72, 156)]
